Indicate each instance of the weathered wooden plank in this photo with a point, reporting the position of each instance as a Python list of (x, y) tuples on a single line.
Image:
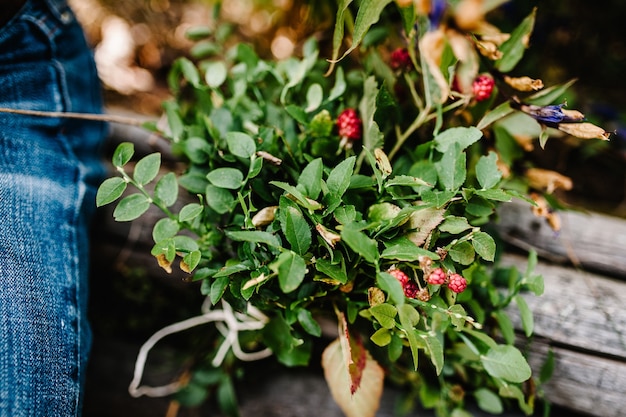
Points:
[(581, 317), (592, 240), (578, 309)]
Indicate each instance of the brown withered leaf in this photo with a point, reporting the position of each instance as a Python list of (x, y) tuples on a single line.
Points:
[(422, 223), (545, 179), (584, 130), (489, 50), (375, 296), (524, 83), (265, 216), (164, 263), (329, 236)]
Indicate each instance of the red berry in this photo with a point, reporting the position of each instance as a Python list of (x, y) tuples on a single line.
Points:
[(483, 87), (349, 124), (457, 283), (409, 287), (437, 277), (400, 59)]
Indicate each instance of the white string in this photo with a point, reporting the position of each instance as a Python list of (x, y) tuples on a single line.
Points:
[(228, 323)]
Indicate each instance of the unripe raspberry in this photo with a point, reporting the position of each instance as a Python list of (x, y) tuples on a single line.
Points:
[(457, 283), (437, 277), (349, 124), (400, 60), (399, 275), (483, 87)]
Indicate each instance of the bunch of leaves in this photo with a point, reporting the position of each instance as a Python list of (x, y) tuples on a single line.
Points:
[(277, 212)]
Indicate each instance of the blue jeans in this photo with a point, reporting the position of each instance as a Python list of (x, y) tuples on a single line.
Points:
[(49, 170)]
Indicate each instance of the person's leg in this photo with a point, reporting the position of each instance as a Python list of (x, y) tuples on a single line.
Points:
[(49, 170)]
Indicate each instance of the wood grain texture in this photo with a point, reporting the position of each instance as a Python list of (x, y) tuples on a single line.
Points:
[(593, 241), (581, 317)]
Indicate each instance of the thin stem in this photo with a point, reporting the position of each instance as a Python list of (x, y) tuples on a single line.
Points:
[(83, 116)]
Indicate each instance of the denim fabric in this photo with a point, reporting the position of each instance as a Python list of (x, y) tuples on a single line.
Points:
[(49, 170)]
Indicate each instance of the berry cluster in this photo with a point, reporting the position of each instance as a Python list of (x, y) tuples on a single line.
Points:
[(409, 287), (455, 282), (349, 125), (483, 87)]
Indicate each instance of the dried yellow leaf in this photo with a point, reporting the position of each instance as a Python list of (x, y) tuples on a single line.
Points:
[(524, 83), (584, 130), (545, 179)]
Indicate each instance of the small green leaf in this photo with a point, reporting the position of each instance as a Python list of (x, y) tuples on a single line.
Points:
[(190, 212), (454, 225), (494, 115), (147, 168), (462, 252), (312, 327), (339, 178), (487, 171), (488, 401), (360, 243), (131, 207), (409, 317), (123, 154), (381, 337), (174, 122), (192, 259), (240, 144), (189, 70), (215, 74), (254, 236), (385, 314), (506, 362), (311, 178), (461, 136), (110, 190), (185, 243), (314, 97), (402, 249), (164, 229), (166, 190), (333, 271), (452, 168), (435, 350), (218, 287), (484, 245), (291, 269), (229, 178), (294, 226), (368, 14), (506, 326), (219, 199), (528, 322), (513, 48)]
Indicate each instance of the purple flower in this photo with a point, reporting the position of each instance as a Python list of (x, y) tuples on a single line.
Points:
[(437, 9), (551, 115)]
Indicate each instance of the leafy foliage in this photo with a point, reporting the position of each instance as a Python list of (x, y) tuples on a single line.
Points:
[(289, 217)]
